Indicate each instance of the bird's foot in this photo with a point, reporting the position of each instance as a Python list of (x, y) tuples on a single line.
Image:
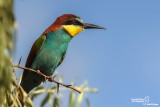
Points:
[(40, 73), (51, 78)]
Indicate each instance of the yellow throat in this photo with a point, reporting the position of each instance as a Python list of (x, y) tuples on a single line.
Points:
[(72, 29)]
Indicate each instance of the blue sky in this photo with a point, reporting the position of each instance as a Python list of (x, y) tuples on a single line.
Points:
[(123, 62)]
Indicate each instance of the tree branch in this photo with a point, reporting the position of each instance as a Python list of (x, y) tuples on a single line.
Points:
[(50, 78)]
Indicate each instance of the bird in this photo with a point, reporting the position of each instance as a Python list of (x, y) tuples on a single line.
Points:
[(49, 50)]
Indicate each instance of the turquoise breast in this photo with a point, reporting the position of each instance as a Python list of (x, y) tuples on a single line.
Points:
[(54, 47)]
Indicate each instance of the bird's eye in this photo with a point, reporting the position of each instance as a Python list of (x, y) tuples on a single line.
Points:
[(74, 22)]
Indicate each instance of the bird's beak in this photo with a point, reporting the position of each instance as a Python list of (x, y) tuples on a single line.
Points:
[(92, 26)]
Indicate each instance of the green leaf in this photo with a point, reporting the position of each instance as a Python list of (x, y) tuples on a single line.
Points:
[(39, 87), (35, 95), (80, 97), (72, 99), (88, 102), (45, 100), (28, 102), (50, 98), (59, 79), (56, 102), (53, 88)]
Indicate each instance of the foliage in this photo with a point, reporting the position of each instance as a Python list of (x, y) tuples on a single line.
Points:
[(52, 94), (6, 45)]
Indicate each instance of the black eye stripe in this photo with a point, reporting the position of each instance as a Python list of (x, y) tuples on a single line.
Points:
[(68, 22), (73, 22)]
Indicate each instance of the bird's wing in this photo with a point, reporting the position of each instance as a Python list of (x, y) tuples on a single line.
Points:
[(27, 78), (62, 58), (37, 46)]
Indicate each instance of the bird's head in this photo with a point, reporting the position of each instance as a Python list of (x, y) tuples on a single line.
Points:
[(72, 24)]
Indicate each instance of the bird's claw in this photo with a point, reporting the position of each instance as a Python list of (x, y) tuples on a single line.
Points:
[(51, 78), (45, 77), (38, 71)]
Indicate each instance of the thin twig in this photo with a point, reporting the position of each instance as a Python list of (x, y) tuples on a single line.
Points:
[(50, 78), (20, 60), (68, 86)]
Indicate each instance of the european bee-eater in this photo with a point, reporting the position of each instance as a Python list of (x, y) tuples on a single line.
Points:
[(49, 50)]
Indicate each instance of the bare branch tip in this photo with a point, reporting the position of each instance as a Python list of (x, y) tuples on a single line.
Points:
[(20, 60)]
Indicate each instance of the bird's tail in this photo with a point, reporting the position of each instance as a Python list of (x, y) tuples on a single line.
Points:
[(30, 81), (29, 85)]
